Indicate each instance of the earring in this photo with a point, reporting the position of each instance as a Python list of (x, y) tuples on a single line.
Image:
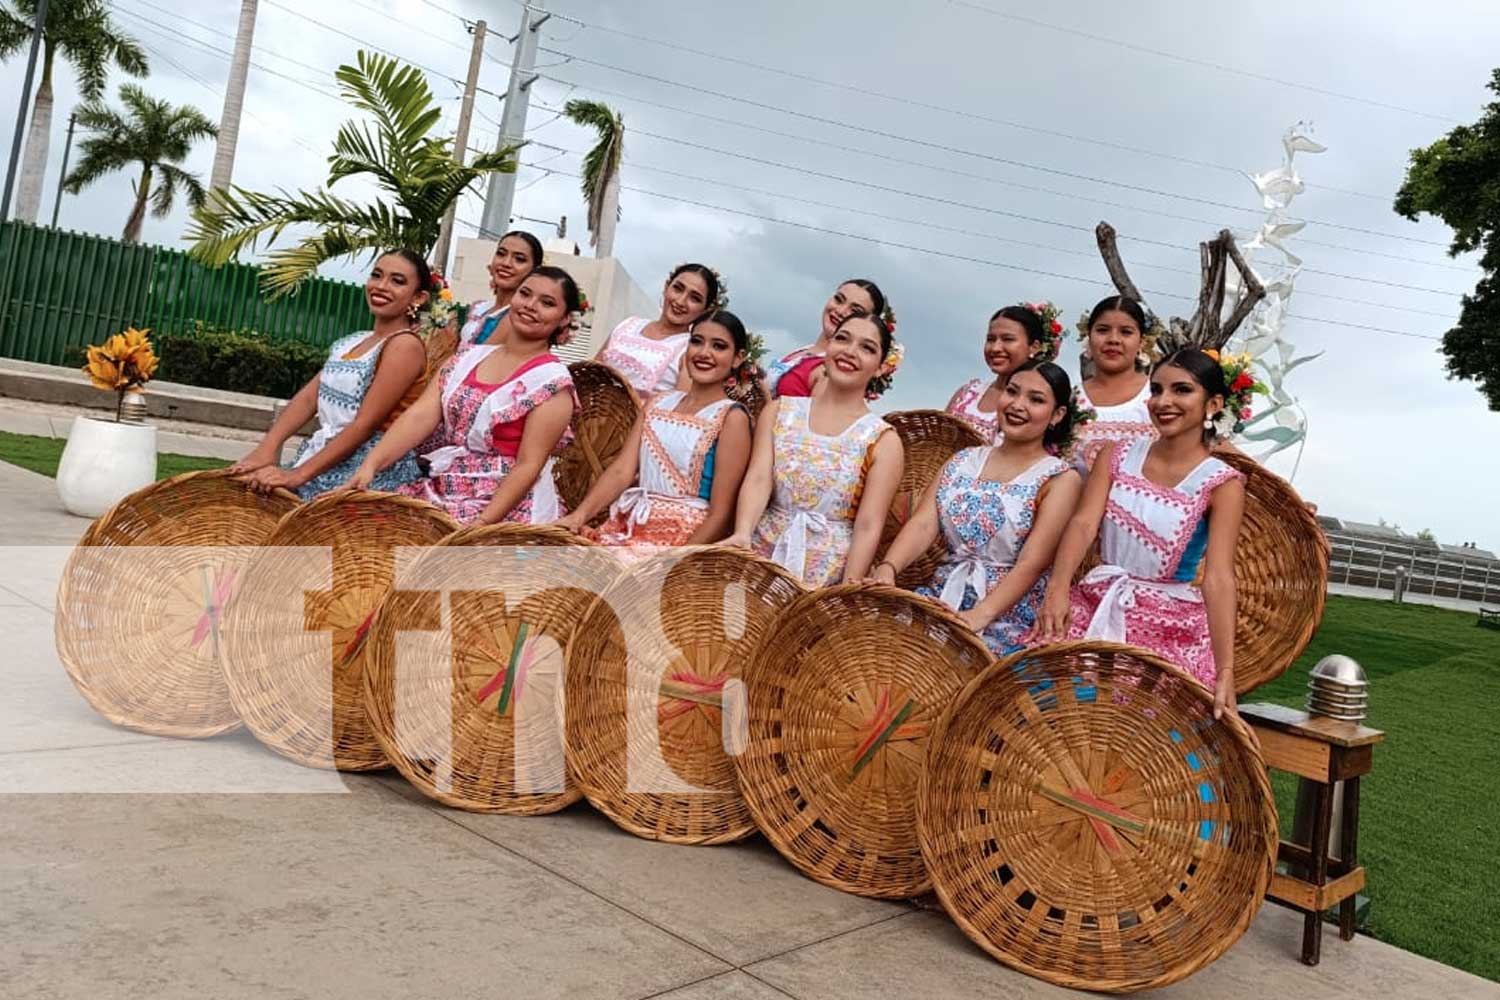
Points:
[(1208, 422), (411, 312)]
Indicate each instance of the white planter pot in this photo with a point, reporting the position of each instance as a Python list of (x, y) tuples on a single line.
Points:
[(103, 463)]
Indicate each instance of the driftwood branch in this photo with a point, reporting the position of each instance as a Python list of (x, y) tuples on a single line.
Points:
[(1251, 290), (1104, 233)]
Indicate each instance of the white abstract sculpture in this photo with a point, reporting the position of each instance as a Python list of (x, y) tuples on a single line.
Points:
[(1284, 422)]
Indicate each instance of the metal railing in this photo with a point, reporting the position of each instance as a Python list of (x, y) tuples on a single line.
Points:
[(1367, 562), (61, 291)]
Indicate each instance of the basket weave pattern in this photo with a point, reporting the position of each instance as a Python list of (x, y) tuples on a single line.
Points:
[(843, 694), (482, 727), (929, 438), (654, 718), (1087, 821), (610, 407), (1280, 576), (137, 625), (288, 688)]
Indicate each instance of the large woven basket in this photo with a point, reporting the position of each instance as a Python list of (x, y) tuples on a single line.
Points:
[(929, 438), (1280, 576), (471, 713), (299, 690), (648, 729), (610, 407), (1087, 821), (139, 602), (843, 693)]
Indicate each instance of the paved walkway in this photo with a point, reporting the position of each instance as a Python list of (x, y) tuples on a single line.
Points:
[(330, 887), (173, 437)]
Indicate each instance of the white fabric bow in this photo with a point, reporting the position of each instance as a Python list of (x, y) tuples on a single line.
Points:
[(635, 504), (1108, 622), (969, 573), (791, 548)]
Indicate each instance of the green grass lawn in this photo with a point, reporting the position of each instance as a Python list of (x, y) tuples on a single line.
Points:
[(1429, 813), (41, 454)]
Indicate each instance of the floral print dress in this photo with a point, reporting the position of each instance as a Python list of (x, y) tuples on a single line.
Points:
[(342, 385), (483, 318), (1151, 542), (965, 406), (476, 444), (809, 524), (984, 523), (675, 481)]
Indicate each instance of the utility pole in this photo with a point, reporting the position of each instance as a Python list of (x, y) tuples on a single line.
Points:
[(461, 139), (502, 190), (234, 100), (15, 146), (62, 174)]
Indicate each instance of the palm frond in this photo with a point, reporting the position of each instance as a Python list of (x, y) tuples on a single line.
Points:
[(602, 162), (15, 32)]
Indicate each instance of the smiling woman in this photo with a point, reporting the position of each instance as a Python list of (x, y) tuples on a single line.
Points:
[(649, 353)]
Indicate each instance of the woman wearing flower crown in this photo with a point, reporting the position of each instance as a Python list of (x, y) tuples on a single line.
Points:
[(498, 413), (1117, 336), (649, 352), (368, 381), (824, 467), (1165, 512), (679, 474), (1016, 335), (801, 372), (1000, 510)]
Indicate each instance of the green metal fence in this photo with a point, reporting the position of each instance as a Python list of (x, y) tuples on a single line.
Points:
[(60, 291)]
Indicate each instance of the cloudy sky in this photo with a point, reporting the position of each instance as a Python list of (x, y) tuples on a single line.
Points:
[(959, 153)]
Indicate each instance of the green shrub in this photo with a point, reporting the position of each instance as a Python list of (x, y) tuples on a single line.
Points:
[(242, 361)]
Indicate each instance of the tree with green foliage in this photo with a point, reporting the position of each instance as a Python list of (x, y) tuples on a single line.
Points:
[(601, 170), (82, 33), (411, 166), (1457, 179), (151, 134)]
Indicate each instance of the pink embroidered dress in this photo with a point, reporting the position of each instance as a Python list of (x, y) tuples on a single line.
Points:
[(1123, 422), (1151, 542), (648, 365), (965, 406), (670, 498), (809, 523), (479, 437), (984, 524)]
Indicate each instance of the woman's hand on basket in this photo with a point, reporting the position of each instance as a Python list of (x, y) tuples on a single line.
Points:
[(1224, 698), (571, 522), (1053, 620), (977, 620), (257, 459), (272, 477), (361, 480)]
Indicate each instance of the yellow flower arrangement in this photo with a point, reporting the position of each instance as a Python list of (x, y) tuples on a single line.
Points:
[(123, 363)]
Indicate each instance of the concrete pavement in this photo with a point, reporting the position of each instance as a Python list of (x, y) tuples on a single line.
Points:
[(214, 869)]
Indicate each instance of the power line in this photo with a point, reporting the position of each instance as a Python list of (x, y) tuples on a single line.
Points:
[(320, 70), (1204, 63), (864, 91), (943, 147), (864, 151), (968, 258)]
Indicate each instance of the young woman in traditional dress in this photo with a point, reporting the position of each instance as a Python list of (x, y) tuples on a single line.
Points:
[(1001, 510), (826, 465), (516, 255), (1163, 510), (1016, 335), (368, 381), (679, 474), (498, 415), (649, 352), (801, 371), (1116, 332)]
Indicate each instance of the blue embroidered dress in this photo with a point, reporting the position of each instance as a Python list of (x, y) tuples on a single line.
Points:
[(984, 523), (342, 385)]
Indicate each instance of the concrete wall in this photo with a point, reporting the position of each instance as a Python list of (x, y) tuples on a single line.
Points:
[(611, 291)]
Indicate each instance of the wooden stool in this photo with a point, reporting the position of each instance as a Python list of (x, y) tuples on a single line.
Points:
[(1320, 751)]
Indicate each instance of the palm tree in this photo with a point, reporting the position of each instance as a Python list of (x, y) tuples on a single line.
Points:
[(151, 133), (234, 98), (415, 169), (82, 33), (601, 170)]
